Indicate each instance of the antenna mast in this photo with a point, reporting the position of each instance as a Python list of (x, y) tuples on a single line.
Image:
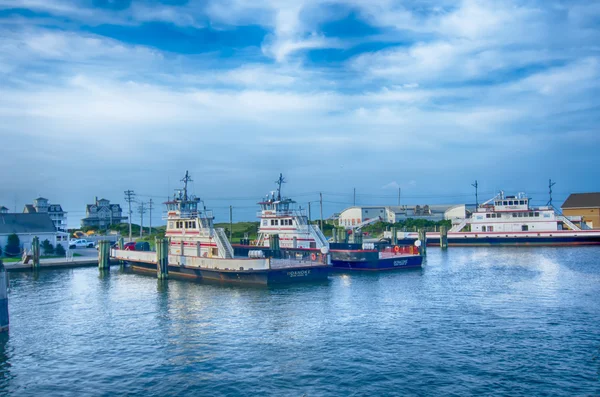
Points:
[(279, 182), (187, 178), (550, 184), (476, 185)]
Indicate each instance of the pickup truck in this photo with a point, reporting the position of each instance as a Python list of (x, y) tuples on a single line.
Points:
[(80, 243)]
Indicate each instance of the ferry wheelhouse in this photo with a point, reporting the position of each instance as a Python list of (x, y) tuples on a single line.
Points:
[(198, 250)]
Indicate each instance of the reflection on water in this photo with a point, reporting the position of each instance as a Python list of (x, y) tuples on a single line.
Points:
[(505, 321)]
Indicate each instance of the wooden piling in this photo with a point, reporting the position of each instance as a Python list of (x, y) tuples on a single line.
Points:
[(423, 238), (103, 254), (3, 298), (121, 245), (394, 236), (162, 258), (35, 251), (443, 237)]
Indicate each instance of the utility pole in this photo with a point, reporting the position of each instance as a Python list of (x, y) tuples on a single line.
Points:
[(129, 196), (550, 184), (150, 216), (354, 199), (142, 210), (230, 222), (309, 219), (399, 191), (321, 204), (476, 185)]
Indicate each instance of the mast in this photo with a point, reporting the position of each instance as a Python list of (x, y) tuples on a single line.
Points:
[(279, 182), (187, 178), (550, 184)]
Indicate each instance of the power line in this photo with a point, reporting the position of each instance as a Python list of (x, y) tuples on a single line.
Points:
[(129, 197)]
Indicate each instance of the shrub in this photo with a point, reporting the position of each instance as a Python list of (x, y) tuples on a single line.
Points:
[(13, 246), (47, 247), (59, 250)]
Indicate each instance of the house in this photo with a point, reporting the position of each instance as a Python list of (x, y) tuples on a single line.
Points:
[(55, 211), (362, 215), (29, 225), (102, 214), (585, 205), (3, 210)]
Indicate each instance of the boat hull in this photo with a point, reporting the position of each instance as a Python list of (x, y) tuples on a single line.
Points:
[(242, 277), (464, 240), (371, 261)]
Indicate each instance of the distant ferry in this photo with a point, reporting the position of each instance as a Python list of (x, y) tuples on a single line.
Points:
[(511, 221), (200, 251), (279, 217)]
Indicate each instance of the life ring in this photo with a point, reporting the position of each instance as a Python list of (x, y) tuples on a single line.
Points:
[(313, 257), (396, 249)]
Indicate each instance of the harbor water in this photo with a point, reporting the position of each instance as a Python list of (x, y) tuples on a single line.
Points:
[(473, 321)]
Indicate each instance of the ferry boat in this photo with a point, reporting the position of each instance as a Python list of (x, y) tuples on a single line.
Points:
[(280, 217), (198, 250), (512, 221)]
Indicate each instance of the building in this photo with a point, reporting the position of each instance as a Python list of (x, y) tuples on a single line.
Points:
[(3, 210), (362, 215), (585, 205), (102, 214), (29, 225), (55, 211)]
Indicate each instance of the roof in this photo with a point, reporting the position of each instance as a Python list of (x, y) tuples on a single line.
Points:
[(29, 209), (3, 208), (26, 223), (41, 198), (582, 200)]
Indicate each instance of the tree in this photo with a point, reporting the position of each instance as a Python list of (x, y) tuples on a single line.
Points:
[(13, 246), (0, 251), (60, 250), (47, 247)]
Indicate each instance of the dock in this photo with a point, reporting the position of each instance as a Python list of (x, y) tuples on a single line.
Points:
[(54, 263)]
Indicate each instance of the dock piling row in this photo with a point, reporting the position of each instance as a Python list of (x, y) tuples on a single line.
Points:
[(103, 254), (162, 258)]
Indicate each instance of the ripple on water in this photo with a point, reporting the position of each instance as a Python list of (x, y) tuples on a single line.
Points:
[(473, 321)]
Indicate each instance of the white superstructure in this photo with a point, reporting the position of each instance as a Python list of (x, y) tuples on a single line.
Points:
[(279, 216)]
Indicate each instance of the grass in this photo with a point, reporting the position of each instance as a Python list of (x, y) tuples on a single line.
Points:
[(239, 230), (18, 259)]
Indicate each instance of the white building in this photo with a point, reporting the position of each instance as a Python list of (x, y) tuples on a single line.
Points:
[(29, 225), (55, 211), (361, 215)]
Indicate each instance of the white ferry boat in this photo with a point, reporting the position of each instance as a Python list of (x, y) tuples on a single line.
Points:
[(509, 221), (200, 251), (280, 217)]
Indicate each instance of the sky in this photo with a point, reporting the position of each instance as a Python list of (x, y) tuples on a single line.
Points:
[(101, 96)]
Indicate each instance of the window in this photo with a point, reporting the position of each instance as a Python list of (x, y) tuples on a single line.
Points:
[(265, 222), (487, 215), (524, 228), (510, 203), (483, 228), (276, 222), (537, 214), (272, 222), (514, 215), (531, 214), (170, 225), (526, 215), (520, 215), (490, 228)]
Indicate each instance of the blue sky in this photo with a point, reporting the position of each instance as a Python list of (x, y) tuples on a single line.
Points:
[(101, 96)]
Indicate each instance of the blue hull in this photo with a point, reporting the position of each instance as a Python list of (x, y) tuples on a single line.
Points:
[(394, 263), (243, 277)]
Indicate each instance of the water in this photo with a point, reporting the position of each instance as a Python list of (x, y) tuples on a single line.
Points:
[(474, 321)]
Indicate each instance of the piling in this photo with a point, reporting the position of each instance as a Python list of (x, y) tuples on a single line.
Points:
[(443, 237), (274, 245), (103, 254), (35, 251), (162, 258), (335, 235), (423, 238), (3, 298), (357, 237), (121, 245), (342, 236), (394, 236)]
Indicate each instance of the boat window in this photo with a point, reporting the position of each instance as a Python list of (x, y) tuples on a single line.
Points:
[(490, 228), (265, 222), (520, 215), (531, 214), (526, 215), (276, 222), (170, 225), (514, 214), (505, 203), (487, 215), (524, 228), (537, 214)]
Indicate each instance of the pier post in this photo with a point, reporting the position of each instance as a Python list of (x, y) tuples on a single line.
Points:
[(162, 258), (121, 246), (394, 236), (335, 235), (423, 238), (443, 237), (3, 298), (35, 251), (103, 254)]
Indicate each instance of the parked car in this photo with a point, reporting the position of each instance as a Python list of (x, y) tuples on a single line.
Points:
[(129, 246), (114, 245), (81, 243)]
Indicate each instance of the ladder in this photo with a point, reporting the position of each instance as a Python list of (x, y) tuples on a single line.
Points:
[(567, 222), (459, 227), (224, 246)]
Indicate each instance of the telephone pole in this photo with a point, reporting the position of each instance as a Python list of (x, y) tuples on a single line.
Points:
[(354, 198), (309, 219), (476, 185), (150, 216), (141, 210), (230, 222), (321, 204), (550, 184), (399, 191), (129, 196)]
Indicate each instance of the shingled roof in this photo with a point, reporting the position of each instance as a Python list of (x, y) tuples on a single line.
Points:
[(26, 223), (582, 200)]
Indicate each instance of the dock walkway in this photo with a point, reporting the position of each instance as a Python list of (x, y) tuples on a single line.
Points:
[(54, 263)]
